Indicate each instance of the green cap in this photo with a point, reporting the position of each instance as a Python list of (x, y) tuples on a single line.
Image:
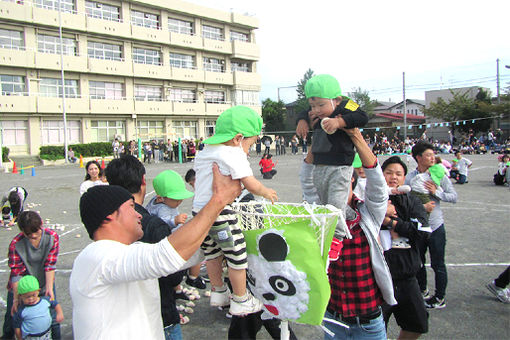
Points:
[(323, 86), (357, 161), (27, 284), (237, 119), (437, 173), (455, 160), (507, 163), (170, 184)]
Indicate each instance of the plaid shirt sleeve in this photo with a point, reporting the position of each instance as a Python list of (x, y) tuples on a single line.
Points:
[(51, 261), (15, 263)]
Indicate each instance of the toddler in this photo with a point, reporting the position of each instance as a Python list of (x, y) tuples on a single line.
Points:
[(236, 131), (6, 216)]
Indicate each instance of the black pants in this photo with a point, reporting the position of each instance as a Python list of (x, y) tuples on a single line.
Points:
[(503, 279), (247, 327)]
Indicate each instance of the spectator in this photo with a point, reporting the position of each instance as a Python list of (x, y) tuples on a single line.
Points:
[(70, 156), (15, 198)]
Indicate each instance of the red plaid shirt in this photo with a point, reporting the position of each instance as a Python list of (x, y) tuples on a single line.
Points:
[(354, 291), (16, 264)]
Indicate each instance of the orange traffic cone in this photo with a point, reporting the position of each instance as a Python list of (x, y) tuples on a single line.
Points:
[(14, 169), (102, 163), (81, 161)]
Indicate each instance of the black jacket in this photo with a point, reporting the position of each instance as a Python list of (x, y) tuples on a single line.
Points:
[(154, 230), (337, 148), (405, 263)]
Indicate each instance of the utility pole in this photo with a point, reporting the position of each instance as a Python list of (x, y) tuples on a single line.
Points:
[(62, 79), (497, 79), (405, 106)]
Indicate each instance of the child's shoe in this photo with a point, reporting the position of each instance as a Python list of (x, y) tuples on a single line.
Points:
[(197, 282), (249, 306), (400, 243), (220, 298)]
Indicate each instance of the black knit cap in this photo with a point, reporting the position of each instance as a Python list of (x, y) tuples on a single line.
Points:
[(100, 201)]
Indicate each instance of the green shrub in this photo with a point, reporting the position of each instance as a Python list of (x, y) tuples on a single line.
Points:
[(51, 152), (5, 154)]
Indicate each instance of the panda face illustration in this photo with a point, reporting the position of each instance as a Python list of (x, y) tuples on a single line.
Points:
[(281, 287)]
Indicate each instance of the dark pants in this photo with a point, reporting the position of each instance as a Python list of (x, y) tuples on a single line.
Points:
[(462, 179), (247, 327), (436, 244), (503, 279)]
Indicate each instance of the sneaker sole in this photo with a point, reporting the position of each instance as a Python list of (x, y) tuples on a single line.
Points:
[(495, 292), (436, 306)]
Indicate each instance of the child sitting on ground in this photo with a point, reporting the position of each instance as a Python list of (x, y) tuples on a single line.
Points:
[(332, 148), (33, 319), (267, 165), (237, 129), (6, 216)]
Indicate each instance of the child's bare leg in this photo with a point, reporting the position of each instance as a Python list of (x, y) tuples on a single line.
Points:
[(194, 271), (238, 280), (215, 270)]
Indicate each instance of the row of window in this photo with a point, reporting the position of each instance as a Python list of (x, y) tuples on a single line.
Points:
[(13, 39), (15, 132), (52, 87), (139, 18)]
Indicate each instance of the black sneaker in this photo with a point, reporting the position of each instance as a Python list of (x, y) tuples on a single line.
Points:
[(198, 282), (425, 294), (435, 303)]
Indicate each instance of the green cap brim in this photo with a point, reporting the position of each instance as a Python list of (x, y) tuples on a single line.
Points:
[(181, 195), (219, 138)]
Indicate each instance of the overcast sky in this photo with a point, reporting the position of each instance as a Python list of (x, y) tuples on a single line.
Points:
[(369, 43)]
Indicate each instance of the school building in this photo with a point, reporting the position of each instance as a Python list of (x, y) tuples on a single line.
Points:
[(149, 69)]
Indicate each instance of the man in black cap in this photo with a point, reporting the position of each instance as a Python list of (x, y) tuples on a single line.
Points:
[(112, 285)]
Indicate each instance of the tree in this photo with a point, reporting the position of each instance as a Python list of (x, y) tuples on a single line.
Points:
[(362, 98), (273, 114), (301, 102)]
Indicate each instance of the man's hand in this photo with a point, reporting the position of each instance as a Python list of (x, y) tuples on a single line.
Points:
[(431, 187), (302, 128), (225, 189), (180, 219), (429, 206), (50, 293)]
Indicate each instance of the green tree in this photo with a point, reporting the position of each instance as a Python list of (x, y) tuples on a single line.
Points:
[(362, 98), (301, 102), (273, 114)]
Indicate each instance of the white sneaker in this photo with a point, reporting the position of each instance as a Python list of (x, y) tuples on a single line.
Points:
[(220, 299), (251, 305), (501, 293)]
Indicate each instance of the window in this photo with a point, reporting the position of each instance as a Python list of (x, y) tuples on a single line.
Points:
[(146, 56), (210, 125), (104, 51), (104, 90), (214, 65), (210, 32), (52, 87), (147, 92), (215, 97), (12, 85), (238, 36), (183, 95), (150, 129), (145, 19), (106, 130), (240, 66), (52, 132), (11, 39), (65, 5), (180, 26), (241, 97), (182, 60), (185, 129), (15, 132), (102, 11), (51, 44)]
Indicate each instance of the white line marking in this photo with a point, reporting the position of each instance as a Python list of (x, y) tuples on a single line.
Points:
[(481, 167), (489, 264)]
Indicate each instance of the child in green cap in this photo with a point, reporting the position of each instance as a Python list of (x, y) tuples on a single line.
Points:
[(332, 148), (236, 131), (33, 318)]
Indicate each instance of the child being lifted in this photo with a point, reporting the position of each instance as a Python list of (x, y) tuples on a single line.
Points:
[(332, 149), (236, 131)]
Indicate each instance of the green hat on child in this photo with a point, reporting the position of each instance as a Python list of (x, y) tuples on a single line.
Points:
[(357, 161), (170, 184), (27, 284), (323, 86), (237, 119), (437, 173)]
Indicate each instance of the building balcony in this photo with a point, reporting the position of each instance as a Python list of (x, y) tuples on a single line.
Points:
[(151, 71), (110, 106), (213, 109), (187, 74), (15, 11), (51, 61), (118, 29), (244, 20), (218, 78), (150, 34), (247, 79), (245, 50), (183, 109), (186, 40), (17, 102), (54, 105), (144, 107), (16, 57), (49, 17), (219, 46), (111, 67)]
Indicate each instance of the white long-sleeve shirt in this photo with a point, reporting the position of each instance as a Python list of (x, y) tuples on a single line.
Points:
[(115, 292)]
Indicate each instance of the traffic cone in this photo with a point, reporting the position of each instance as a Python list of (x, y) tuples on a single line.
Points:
[(81, 161), (33, 171), (21, 170), (14, 169), (102, 163)]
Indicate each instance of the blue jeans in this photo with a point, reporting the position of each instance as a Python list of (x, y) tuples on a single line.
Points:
[(462, 179), (374, 330), (436, 245), (173, 332)]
